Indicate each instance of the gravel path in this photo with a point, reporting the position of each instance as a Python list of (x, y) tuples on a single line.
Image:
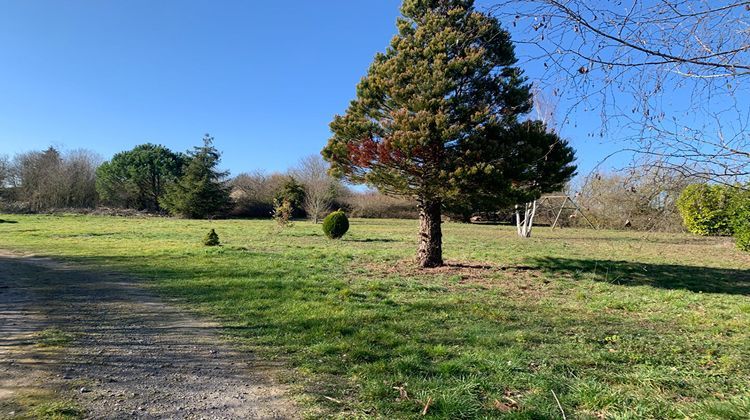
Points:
[(131, 355)]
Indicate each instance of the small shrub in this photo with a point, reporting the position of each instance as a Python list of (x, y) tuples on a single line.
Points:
[(336, 224), (705, 209), (282, 212), (212, 239)]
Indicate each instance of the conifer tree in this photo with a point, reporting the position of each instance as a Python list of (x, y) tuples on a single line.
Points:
[(139, 177), (201, 191), (292, 193), (436, 118)]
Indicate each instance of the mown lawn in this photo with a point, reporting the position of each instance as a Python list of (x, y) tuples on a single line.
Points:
[(613, 324)]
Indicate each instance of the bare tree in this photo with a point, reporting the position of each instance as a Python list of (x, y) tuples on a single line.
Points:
[(254, 193), (545, 108), (6, 180), (320, 188), (670, 77), (4, 171), (37, 176), (372, 204), (78, 185), (50, 179), (645, 201)]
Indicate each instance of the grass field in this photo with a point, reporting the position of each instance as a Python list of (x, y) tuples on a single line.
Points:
[(613, 324)]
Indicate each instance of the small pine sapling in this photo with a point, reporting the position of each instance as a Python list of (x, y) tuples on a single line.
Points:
[(212, 239), (282, 212)]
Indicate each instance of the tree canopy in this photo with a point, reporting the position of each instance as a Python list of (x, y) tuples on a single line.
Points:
[(436, 118), (138, 178)]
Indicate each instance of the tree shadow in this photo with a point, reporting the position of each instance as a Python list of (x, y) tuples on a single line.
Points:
[(695, 240), (370, 240), (337, 334), (7, 221), (663, 276)]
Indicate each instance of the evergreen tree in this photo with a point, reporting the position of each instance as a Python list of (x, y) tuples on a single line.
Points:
[(139, 178), (292, 192), (436, 118), (538, 161), (201, 191)]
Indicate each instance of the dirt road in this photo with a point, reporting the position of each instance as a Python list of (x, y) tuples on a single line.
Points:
[(119, 351)]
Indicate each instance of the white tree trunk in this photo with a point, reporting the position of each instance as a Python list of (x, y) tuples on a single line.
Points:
[(518, 221), (523, 227)]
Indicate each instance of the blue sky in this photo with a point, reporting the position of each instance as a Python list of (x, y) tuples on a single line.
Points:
[(264, 78)]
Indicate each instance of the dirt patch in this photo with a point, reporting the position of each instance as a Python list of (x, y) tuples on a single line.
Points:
[(516, 280), (117, 351)]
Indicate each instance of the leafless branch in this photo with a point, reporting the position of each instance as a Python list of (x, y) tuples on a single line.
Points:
[(668, 78)]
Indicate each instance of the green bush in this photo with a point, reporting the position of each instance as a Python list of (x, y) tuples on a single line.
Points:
[(705, 209), (212, 239), (742, 236), (336, 224), (740, 218)]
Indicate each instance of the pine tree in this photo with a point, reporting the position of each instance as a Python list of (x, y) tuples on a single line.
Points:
[(139, 177), (293, 193), (201, 191), (436, 118), (211, 239)]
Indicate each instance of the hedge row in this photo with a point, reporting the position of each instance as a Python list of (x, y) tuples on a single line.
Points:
[(717, 210)]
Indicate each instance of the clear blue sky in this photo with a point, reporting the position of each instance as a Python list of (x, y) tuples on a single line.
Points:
[(264, 78)]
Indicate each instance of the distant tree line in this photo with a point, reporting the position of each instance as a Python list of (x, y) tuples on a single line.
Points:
[(148, 178), (151, 178)]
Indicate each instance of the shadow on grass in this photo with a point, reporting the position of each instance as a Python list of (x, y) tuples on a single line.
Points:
[(7, 221), (653, 239), (370, 240), (663, 276), (458, 350)]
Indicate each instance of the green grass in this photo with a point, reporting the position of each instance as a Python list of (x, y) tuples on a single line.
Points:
[(618, 324), (53, 337), (57, 410), (39, 405)]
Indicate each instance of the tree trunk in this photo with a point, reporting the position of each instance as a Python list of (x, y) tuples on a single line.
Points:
[(523, 227), (430, 253)]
